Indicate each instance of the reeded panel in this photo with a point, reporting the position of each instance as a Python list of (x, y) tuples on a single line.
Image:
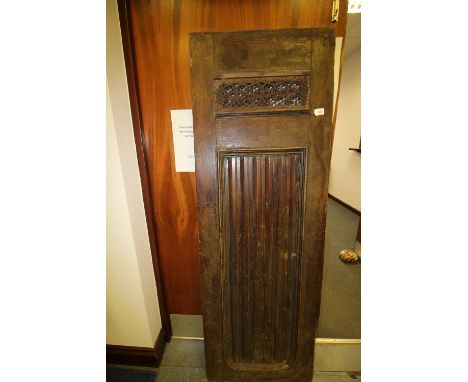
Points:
[(261, 196), (254, 95)]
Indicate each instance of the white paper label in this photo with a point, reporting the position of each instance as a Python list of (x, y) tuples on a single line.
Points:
[(318, 112), (182, 136)]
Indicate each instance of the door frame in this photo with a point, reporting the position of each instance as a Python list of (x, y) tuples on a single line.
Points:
[(142, 156)]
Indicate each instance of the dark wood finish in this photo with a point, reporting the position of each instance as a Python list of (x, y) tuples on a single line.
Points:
[(142, 156), (358, 235), (251, 234), (240, 95), (137, 356), (160, 31), (262, 184), (339, 201)]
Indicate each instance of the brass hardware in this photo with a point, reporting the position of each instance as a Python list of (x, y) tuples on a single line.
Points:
[(335, 11)]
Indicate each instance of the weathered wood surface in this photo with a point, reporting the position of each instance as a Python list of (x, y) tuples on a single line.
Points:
[(262, 163)]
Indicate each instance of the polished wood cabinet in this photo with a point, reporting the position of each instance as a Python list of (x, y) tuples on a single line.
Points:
[(262, 106)]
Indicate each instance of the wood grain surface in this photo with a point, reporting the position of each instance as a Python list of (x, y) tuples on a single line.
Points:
[(161, 35), (142, 157), (262, 182), (261, 200)]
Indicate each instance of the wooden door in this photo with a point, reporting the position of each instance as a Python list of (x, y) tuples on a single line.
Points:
[(262, 106), (160, 39)]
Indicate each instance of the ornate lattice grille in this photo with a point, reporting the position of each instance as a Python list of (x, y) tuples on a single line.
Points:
[(262, 94)]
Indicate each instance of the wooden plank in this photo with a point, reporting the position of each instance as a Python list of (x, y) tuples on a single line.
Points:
[(294, 147)]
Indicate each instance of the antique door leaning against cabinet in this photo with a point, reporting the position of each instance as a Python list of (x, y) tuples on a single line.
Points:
[(262, 107)]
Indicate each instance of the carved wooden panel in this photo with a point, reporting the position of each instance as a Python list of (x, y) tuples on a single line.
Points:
[(262, 94), (262, 161), (261, 211)]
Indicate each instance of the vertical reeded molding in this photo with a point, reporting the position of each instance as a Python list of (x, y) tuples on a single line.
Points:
[(261, 199)]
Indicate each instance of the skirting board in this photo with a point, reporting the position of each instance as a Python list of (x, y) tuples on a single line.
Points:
[(352, 209), (336, 354), (137, 356)]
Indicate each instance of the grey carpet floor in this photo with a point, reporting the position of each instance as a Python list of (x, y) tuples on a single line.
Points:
[(340, 314)]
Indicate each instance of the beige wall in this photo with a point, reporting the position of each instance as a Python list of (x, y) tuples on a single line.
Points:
[(345, 171), (133, 316), (336, 76)]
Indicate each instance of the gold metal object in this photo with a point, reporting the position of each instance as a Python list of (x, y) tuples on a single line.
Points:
[(348, 256), (335, 10)]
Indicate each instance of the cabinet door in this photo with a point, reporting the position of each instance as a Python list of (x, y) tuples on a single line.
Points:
[(262, 106)]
